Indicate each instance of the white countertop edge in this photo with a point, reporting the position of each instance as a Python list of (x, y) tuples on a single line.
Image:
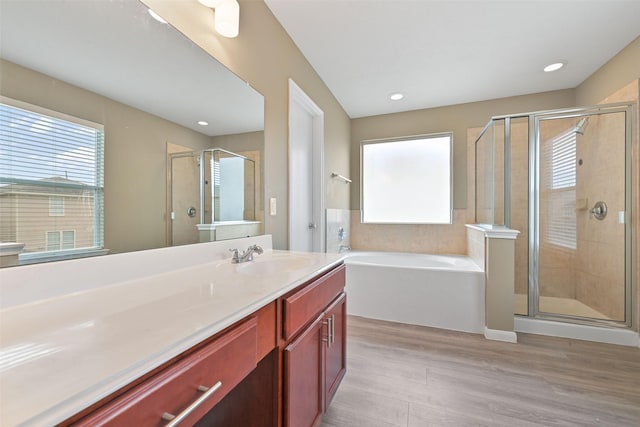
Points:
[(495, 231), (75, 403)]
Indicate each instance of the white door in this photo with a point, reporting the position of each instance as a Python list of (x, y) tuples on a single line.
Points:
[(306, 201)]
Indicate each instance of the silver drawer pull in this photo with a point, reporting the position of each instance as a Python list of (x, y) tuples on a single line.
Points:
[(333, 328), (329, 323), (328, 339), (177, 419)]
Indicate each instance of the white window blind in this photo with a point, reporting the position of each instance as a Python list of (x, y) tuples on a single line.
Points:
[(560, 180), (51, 180), (407, 180)]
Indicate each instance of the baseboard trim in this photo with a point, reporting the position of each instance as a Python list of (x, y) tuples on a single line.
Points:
[(605, 335), (499, 335)]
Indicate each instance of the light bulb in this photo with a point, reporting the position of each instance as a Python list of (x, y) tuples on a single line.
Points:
[(553, 67), (227, 18)]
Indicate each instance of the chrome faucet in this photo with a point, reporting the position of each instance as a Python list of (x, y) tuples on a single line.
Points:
[(246, 255)]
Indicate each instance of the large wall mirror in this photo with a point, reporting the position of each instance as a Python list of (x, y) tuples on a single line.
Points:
[(97, 98)]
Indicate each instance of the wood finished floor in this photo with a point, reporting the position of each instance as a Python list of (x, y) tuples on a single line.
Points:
[(410, 376)]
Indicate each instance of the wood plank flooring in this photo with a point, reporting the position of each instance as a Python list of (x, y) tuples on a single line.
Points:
[(410, 376)]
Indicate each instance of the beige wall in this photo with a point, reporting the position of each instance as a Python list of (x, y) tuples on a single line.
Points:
[(135, 154), (616, 73), (265, 56)]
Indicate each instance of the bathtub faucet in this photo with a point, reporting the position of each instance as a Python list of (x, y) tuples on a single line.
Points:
[(343, 248), (246, 255)]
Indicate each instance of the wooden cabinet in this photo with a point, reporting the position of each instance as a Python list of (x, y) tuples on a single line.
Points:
[(281, 365), (335, 360), (303, 361), (315, 358)]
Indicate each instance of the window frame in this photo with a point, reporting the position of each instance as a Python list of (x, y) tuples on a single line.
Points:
[(97, 189), (364, 143), (56, 206)]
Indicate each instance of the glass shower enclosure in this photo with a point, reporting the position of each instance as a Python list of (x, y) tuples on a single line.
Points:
[(563, 179), (213, 186)]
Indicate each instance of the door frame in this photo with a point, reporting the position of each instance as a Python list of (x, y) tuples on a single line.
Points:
[(297, 95)]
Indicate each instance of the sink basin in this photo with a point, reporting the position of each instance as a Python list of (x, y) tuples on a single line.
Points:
[(274, 264)]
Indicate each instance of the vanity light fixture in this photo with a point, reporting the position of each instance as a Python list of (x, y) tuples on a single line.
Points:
[(553, 67), (203, 123), (396, 96), (157, 17), (226, 16)]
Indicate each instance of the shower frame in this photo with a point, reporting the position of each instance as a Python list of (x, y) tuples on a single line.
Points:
[(199, 155), (534, 119)]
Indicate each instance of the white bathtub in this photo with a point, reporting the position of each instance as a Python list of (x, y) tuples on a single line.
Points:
[(441, 291)]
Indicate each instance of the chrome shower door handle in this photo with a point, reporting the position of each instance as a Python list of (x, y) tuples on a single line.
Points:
[(312, 226), (599, 210)]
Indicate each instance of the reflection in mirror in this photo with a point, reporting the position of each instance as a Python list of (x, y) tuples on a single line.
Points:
[(213, 191), (107, 63)]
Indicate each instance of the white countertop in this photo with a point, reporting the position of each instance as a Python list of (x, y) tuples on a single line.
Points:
[(61, 354)]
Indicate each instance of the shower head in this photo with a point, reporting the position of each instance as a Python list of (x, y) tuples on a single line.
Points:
[(582, 124)]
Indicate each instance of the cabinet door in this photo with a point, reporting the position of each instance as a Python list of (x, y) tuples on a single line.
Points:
[(335, 347), (303, 377)]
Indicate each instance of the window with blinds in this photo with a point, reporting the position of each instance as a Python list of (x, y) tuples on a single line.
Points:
[(51, 181), (560, 180)]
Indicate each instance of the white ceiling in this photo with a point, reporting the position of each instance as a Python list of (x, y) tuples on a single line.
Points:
[(114, 48), (445, 52)]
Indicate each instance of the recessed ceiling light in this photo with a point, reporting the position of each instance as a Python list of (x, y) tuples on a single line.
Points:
[(203, 123), (396, 96), (553, 67), (156, 16)]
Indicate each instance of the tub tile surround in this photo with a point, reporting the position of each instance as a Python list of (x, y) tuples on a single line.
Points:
[(123, 316), (336, 219), (415, 238)]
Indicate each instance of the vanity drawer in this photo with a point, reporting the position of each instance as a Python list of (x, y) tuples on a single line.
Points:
[(227, 359), (304, 305)]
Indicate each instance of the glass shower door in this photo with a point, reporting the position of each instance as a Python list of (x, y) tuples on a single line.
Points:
[(184, 211), (583, 212)]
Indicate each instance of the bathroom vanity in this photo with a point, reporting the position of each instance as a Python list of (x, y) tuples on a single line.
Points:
[(260, 343)]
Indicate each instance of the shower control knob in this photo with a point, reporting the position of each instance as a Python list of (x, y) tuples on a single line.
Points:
[(599, 210)]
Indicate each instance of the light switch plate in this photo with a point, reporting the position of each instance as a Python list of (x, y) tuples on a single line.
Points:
[(272, 206)]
